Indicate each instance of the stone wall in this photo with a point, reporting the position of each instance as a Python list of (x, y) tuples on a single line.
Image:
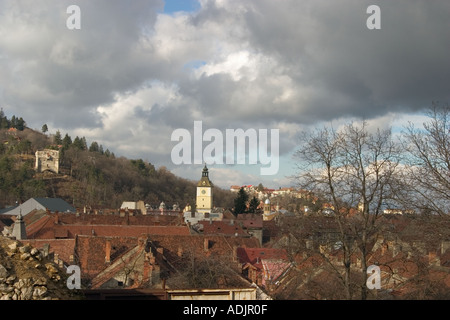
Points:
[(25, 274)]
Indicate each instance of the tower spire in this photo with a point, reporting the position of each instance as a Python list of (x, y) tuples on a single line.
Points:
[(19, 229), (205, 171)]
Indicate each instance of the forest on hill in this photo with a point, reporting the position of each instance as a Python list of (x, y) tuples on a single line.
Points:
[(89, 174)]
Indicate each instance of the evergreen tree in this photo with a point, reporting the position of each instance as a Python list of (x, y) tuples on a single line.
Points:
[(66, 142), (20, 124), (80, 143), (4, 123), (83, 144), (3, 120), (240, 202), (77, 143), (13, 122), (44, 128), (57, 139), (253, 206), (94, 147)]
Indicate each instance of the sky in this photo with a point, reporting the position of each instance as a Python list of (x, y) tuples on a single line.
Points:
[(138, 70)]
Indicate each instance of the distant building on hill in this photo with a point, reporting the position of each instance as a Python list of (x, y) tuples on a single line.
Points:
[(47, 160)]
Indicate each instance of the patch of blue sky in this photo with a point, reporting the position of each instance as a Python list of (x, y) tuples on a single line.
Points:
[(194, 64), (403, 121), (173, 6)]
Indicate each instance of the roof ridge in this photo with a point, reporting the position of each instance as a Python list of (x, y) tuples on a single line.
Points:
[(115, 266)]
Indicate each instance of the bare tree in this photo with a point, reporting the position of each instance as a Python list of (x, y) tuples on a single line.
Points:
[(354, 170), (205, 271), (427, 174)]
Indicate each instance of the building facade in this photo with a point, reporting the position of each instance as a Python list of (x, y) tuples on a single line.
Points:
[(47, 160)]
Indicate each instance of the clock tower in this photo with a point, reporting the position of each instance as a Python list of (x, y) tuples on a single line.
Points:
[(204, 193)]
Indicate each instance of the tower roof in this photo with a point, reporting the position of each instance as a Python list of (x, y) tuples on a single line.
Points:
[(204, 181)]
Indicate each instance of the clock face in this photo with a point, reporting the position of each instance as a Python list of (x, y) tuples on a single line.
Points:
[(203, 182), (203, 192)]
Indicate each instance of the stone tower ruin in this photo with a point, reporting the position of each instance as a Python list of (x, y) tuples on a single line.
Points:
[(47, 160)]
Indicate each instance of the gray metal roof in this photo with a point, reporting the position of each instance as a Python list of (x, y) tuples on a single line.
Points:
[(55, 204), (51, 204)]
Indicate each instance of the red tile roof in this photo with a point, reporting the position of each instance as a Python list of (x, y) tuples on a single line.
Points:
[(91, 249), (250, 221), (270, 263), (41, 225), (223, 228), (254, 255)]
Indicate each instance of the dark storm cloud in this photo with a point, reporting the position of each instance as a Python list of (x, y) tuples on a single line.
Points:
[(132, 75), (63, 73), (359, 72)]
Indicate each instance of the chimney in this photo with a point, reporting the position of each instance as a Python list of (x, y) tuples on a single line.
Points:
[(108, 251), (445, 245), (206, 244), (433, 259), (147, 272), (384, 248), (151, 257)]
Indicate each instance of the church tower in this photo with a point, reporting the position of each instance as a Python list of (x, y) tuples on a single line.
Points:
[(204, 193), (267, 207), (267, 210)]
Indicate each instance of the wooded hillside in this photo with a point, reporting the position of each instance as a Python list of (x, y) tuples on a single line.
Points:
[(89, 175)]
